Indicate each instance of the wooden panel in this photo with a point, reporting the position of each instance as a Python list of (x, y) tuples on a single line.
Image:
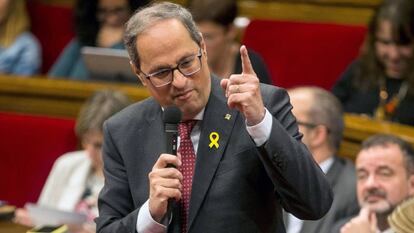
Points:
[(327, 2), (51, 97), (356, 3), (358, 128), (303, 12), (329, 11)]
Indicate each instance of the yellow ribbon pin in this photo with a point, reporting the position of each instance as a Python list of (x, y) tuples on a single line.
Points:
[(214, 137)]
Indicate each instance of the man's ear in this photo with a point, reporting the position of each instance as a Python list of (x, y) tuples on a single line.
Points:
[(411, 185), (203, 45), (319, 135), (136, 72), (231, 32)]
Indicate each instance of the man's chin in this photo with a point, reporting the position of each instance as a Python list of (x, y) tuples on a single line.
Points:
[(381, 207)]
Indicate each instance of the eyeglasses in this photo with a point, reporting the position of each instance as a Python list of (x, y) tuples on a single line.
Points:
[(307, 124), (187, 67), (311, 125), (96, 145)]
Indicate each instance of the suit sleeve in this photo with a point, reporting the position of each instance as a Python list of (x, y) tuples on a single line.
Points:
[(116, 206), (299, 182)]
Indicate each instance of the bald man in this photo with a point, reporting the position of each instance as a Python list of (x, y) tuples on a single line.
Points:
[(320, 119)]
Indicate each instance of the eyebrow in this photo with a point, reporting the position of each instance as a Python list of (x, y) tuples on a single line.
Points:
[(384, 168), (167, 66), (361, 170)]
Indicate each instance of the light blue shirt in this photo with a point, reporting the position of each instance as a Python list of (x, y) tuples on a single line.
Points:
[(23, 57)]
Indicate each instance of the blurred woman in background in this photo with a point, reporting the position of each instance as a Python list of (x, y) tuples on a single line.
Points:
[(77, 177), (98, 23), (381, 82), (20, 52)]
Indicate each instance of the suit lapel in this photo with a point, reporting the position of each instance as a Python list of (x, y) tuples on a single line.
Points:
[(334, 171), (208, 156), (152, 136)]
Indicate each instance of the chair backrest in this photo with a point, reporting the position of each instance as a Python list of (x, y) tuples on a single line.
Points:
[(29, 145), (301, 53), (53, 27)]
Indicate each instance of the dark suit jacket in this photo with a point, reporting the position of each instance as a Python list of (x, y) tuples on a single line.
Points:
[(236, 188), (341, 176)]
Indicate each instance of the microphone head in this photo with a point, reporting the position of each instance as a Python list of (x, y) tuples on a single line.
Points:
[(172, 115)]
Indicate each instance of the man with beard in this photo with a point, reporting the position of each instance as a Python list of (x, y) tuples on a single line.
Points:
[(385, 177)]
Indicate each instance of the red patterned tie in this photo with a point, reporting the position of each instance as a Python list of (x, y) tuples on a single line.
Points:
[(187, 168)]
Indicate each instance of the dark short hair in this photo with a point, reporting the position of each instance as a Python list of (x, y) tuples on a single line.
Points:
[(222, 12), (387, 139), (146, 17), (98, 108)]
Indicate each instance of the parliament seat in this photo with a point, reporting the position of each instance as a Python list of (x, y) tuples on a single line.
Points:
[(29, 145), (53, 26), (304, 53), (37, 118)]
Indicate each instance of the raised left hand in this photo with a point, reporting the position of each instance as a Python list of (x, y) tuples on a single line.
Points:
[(243, 91)]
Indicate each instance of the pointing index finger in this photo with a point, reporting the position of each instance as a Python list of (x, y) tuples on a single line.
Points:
[(245, 60)]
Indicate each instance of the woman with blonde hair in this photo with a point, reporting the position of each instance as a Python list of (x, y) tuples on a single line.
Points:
[(20, 51)]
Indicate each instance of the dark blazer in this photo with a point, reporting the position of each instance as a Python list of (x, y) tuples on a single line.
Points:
[(236, 188), (341, 176)]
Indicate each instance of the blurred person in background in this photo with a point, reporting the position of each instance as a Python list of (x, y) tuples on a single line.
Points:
[(381, 82), (385, 178), (98, 23), (215, 20), (77, 177), (20, 52), (401, 219), (320, 119)]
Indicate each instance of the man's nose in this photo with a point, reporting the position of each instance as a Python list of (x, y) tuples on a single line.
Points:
[(371, 182), (179, 79)]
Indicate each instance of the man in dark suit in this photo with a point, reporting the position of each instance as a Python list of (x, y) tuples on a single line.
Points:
[(320, 119), (250, 161)]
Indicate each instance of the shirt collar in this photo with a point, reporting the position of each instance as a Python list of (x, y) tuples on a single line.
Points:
[(325, 165)]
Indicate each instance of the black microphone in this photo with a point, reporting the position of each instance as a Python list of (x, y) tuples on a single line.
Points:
[(171, 118)]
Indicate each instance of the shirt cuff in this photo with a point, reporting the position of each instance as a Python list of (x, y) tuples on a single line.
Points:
[(261, 132), (145, 222)]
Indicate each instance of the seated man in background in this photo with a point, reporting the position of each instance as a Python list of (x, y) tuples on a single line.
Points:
[(215, 20), (320, 119), (385, 178), (77, 177)]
